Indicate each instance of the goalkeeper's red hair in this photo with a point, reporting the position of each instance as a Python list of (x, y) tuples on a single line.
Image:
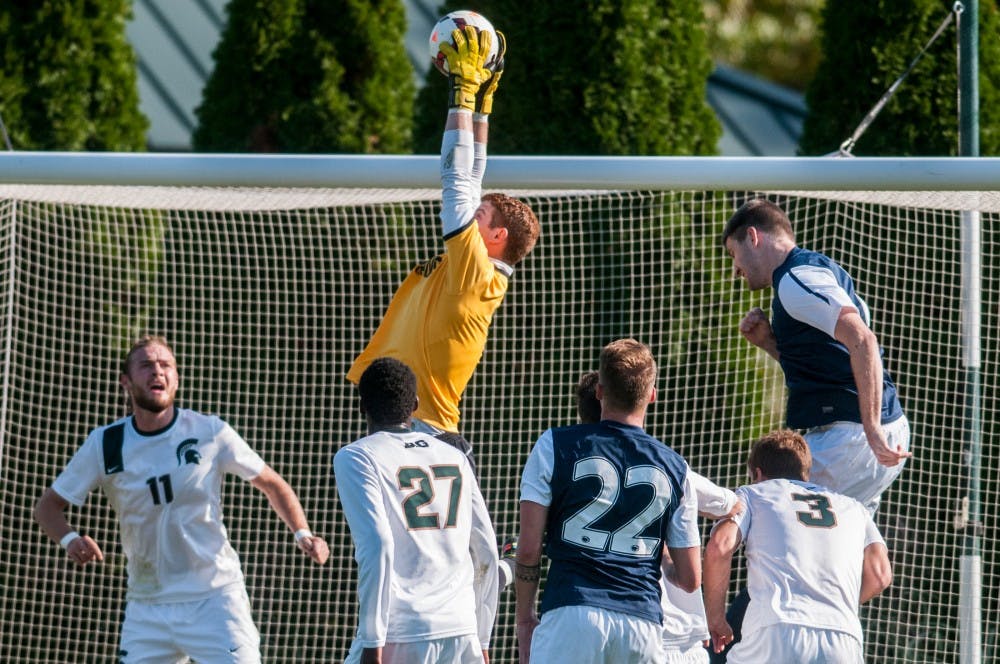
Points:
[(521, 224)]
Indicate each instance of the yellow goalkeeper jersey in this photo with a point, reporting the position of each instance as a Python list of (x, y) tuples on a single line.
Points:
[(438, 321)]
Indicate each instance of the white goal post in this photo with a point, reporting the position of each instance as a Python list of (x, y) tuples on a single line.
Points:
[(269, 273)]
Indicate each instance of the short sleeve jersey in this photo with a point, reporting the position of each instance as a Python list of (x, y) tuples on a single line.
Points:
[(438, 321), (166, 492), (424, 542), (615, 496), (805, 551), (810, 290)]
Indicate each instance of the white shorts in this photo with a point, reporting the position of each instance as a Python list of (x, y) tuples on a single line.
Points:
[(696, 654), (796, 644), (843, 461), (588, 635), (215, 630), (451, 650)]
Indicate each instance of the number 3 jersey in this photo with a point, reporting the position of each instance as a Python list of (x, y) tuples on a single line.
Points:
[(165, 489), (615, 496), (424, 543), (805, 548)]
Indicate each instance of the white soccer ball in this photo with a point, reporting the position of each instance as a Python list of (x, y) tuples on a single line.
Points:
[(454, 21)]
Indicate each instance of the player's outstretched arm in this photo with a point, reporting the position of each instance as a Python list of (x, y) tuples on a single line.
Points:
[(866, 366), (718, 568), (50, 512), (287, 506)]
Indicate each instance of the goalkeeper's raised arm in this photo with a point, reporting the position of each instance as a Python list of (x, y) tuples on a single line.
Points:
[(438, 320)]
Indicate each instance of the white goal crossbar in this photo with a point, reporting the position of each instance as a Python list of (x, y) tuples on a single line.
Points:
[(504, 172)]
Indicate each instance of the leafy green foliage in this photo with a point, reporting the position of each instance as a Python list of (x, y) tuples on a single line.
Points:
[(593, 77), (309, 76), (68, 80), (775, 39), (866, 47)]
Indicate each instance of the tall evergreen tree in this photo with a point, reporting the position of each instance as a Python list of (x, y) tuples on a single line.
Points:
[(68, 80), (309, 76), (866, 47), (598, 77)]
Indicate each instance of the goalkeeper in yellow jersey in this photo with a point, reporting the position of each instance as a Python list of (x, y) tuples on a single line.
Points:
[(439, 318)]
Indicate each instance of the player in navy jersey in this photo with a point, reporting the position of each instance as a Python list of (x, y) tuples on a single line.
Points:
[(603, 499), (820, 332), (839, 392), (685, 630), (161, 470)]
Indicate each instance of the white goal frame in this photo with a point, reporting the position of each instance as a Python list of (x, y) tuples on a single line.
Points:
[(974, 182)]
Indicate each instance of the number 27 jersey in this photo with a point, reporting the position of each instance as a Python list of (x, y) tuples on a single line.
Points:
[(424, 543)]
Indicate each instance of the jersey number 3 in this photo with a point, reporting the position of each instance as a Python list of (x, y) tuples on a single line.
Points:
[(418, 517), (820, 514), (626, 539)]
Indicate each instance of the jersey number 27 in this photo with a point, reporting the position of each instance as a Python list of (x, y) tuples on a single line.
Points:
[(418, 516)]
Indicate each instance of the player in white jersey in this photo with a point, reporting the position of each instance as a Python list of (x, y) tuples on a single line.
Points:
[(424, 543), (161, 470), (813, 556), (604, 499)]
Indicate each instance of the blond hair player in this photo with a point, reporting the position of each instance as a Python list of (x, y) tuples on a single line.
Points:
[(161, 469)]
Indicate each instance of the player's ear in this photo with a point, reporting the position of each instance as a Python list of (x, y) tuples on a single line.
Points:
[(753, 235), (652, 395), (416, 402)]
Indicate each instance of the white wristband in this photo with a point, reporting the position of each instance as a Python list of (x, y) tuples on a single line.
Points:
[(304, 532), (68, 539)]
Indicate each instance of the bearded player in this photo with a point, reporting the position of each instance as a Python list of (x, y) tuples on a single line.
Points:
[(161, 469)]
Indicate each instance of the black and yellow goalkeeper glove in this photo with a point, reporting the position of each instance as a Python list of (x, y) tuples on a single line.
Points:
[(484, 97), (466, 65)]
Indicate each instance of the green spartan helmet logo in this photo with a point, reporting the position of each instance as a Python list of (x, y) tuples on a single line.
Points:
[(186, 452)]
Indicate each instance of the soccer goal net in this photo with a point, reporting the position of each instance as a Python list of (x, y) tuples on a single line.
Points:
[(268, 294)]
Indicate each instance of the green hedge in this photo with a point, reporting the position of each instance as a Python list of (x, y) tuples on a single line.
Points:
[(309, 76)]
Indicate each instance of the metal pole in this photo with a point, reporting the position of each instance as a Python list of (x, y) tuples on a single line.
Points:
[(971, 568)]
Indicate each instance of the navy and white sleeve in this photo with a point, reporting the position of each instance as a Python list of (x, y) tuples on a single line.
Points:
[(811, 294)]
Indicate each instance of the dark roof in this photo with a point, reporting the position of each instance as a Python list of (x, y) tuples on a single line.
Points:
[(174, 40)]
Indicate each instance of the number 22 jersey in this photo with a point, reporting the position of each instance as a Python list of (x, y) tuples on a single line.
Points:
[(615, 496)]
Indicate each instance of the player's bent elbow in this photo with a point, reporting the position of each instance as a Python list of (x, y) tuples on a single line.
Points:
[(877, 572), (689, 584), (48, 508), (883, 578)]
